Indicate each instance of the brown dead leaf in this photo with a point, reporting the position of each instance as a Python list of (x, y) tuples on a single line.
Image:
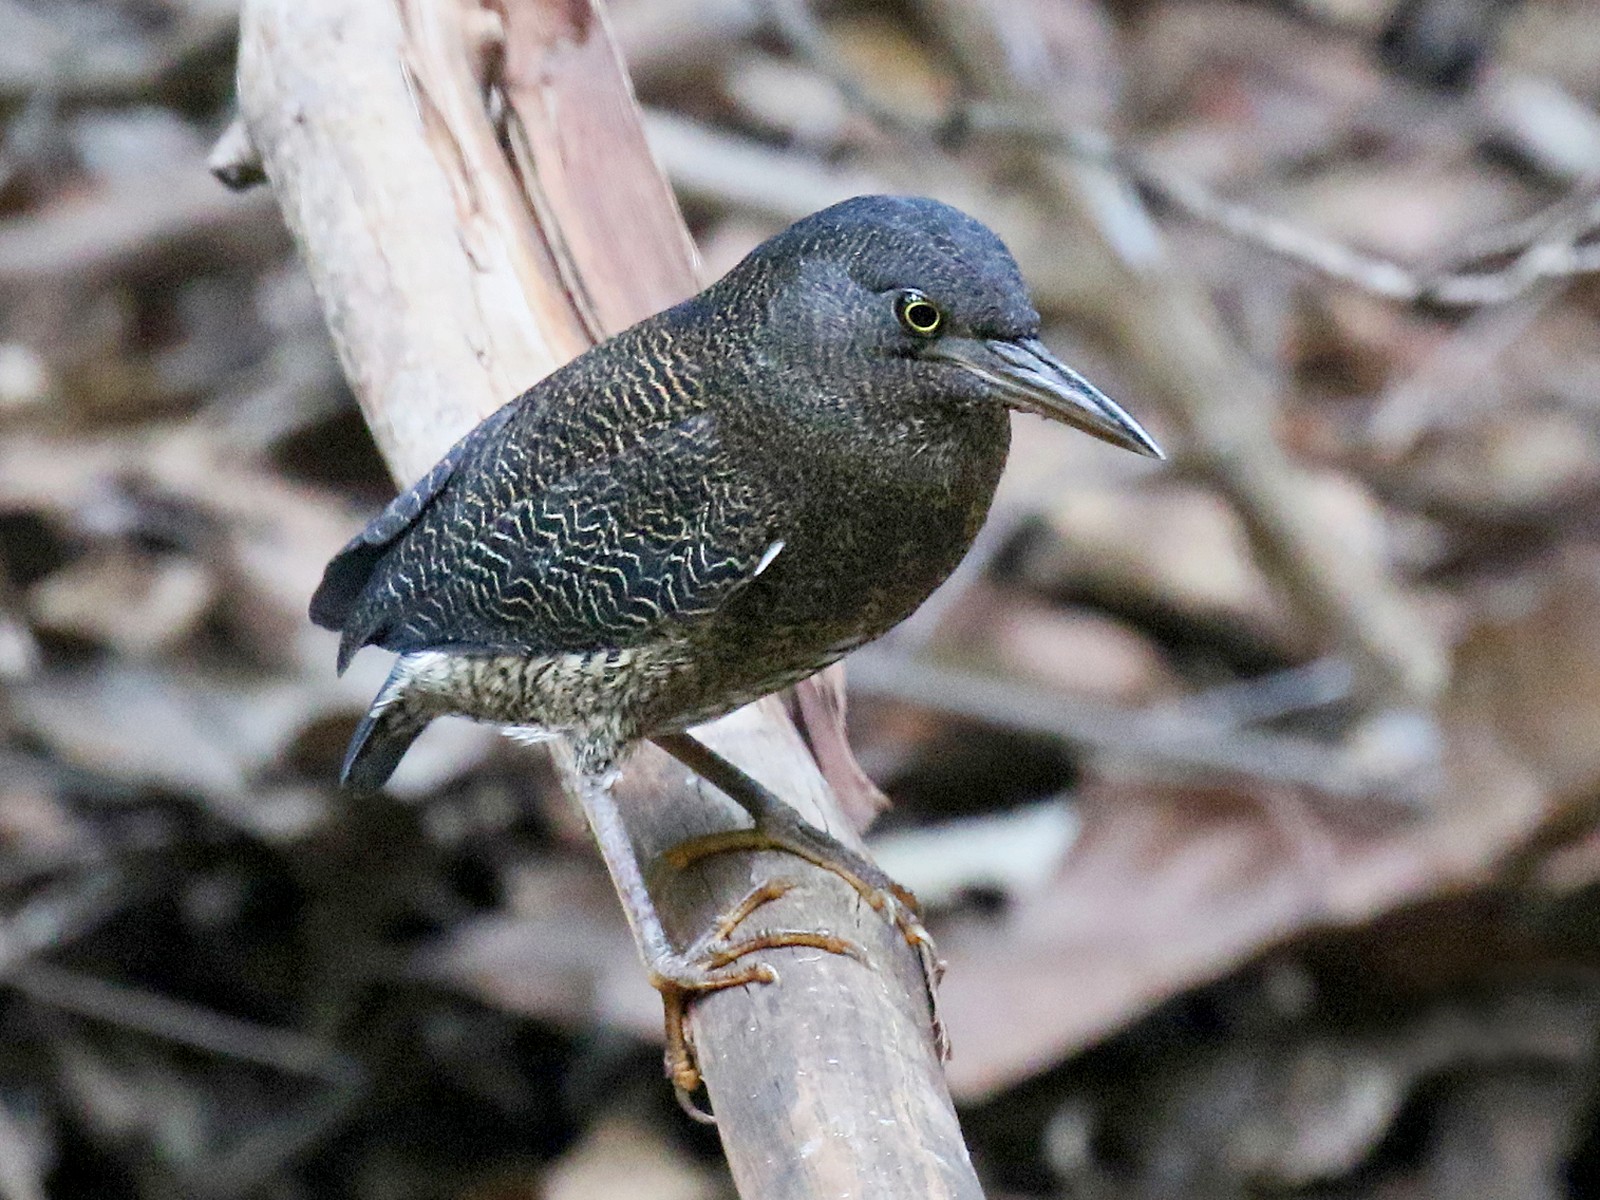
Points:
[(175, 728), (1073, 649), (560, 951), (1247, 1111), (883, 52), (1177, 547), (134, 604), (790, 100), (1169, 887), (1410, 211), (622, 1156), (1530, 672), (264, 539), (1513, 461), (35, 825), (1235, 91)]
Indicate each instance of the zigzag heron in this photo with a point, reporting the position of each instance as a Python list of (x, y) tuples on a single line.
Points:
[(708, 507)]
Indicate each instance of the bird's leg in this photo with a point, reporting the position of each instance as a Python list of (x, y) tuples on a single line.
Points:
[(777, 826), (713, 962)]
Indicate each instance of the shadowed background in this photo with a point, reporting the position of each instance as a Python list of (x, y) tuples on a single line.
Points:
[(1252, 797)]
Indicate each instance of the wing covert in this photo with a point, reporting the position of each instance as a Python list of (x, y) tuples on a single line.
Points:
[(349, 572), (602, 557)]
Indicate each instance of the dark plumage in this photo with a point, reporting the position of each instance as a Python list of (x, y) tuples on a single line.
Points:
[(716, 502)]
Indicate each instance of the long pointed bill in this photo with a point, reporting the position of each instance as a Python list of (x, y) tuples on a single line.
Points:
[(1027, 376)]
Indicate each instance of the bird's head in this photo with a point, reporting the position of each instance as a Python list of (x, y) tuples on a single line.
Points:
[(914, 300)]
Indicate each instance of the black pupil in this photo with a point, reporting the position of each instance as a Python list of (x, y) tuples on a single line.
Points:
[(921, 315)]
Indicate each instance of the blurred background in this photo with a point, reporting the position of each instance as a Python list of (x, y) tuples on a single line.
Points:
[(1253, 796)]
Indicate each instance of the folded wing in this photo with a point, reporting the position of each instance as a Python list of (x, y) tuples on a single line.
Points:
[(603, 554)]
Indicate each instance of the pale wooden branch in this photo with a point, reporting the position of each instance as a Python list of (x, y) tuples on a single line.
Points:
[(452, 277)]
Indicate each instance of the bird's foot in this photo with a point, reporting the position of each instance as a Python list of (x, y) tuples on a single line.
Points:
[(784, 830), (715, 961)]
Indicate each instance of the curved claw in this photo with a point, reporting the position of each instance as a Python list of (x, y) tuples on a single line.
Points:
[(787, 833), (705, 967)]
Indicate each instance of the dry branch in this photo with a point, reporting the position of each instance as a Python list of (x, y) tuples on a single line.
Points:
[(1189, 744), (453, 277)]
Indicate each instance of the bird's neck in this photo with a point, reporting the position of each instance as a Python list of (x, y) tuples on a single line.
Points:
[(853, 439), (831, 424)]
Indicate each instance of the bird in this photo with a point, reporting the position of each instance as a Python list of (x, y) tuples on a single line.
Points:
[(706, 508)]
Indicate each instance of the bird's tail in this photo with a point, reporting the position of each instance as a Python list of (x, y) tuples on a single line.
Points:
[(385, 734)]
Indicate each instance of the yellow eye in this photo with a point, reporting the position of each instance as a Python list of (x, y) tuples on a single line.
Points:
[(918, 314)]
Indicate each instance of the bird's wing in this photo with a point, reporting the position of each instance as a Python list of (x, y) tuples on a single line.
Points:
[(349, 572), (602, 557)]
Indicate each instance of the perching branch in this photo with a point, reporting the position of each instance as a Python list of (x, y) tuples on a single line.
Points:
[(453, 275)]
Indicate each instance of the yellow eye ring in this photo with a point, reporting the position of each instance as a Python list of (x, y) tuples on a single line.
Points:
[(918, 315)]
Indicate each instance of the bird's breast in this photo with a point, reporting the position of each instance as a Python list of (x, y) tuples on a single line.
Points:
[(872, 528)]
